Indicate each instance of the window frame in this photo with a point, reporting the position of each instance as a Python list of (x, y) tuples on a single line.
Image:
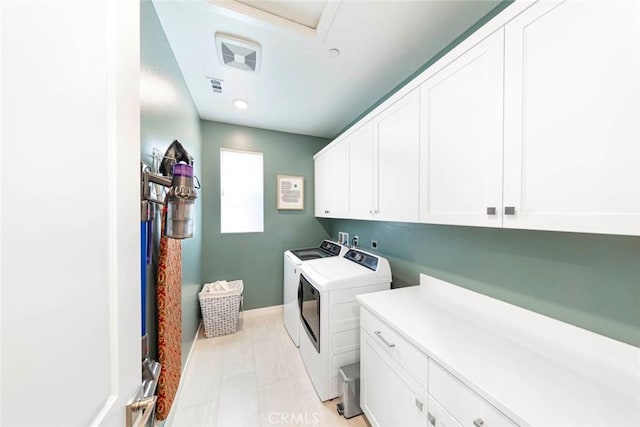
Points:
[(230, 230)]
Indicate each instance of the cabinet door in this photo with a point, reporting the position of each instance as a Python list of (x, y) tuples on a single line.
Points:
[(398, 131), (572, 134), (322, 171), (439, 417), (387, 399), (461, 139), (339, 181), (361, 161)]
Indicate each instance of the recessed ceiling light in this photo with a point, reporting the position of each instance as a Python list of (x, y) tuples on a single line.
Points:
[(334, 53), (240, 104)]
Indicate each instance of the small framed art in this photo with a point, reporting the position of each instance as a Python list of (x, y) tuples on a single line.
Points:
[(290, 192)]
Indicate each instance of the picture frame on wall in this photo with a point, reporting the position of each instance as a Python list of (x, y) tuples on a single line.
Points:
[(290, 192)]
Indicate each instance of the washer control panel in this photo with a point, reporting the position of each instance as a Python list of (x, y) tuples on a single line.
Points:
[(332, 248), (362, 258)]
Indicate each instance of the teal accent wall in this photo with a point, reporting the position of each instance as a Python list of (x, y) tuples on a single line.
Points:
[(164, 117), (257, 258), (589, 280), (486, 18)]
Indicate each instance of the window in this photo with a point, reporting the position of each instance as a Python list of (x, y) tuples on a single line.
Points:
[(241, 192)]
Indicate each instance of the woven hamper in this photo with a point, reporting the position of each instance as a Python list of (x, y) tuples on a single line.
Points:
[(220, 304)]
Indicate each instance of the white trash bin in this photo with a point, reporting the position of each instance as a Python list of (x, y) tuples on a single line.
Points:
[(220, 303)]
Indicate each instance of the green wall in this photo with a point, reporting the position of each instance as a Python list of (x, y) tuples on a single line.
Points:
[(588, 280), (257, 258), (163, 119)]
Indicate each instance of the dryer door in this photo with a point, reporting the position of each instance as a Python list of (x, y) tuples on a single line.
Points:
[(309, 303)]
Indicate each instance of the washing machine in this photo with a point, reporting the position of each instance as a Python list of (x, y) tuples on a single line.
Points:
[(293, 260), (330, 315)]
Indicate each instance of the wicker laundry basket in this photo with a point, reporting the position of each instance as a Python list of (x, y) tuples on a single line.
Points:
[(220, 303)]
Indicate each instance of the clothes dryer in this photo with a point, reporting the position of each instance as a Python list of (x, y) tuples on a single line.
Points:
[(330, 315)]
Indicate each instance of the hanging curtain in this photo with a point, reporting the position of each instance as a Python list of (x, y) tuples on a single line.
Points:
[(169, 291)]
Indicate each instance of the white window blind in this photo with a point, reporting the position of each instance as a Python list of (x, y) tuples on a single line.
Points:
[(241, 191)]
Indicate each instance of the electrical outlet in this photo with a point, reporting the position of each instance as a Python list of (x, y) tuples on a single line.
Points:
[(355, 241), (343, 238), (374, 244)]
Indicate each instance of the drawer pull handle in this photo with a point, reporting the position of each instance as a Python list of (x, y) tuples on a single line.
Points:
[(379, 335), (491, 210), (478, 422), (509, 210), (419, 405), (431, 418)]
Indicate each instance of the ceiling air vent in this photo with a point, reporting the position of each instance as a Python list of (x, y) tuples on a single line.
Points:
[(237, 53)]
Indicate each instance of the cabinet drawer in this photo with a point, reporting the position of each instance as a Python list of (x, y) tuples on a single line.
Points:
[(464, 404), (406, 354)]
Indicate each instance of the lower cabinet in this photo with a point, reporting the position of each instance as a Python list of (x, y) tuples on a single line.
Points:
[(388, 396), (440, 417), (401, 386), (461, 402)]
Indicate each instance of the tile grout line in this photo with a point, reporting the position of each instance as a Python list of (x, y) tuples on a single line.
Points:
[(255, 365)]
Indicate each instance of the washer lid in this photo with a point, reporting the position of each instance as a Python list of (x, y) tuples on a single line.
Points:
[(310, 253), (326, 249)]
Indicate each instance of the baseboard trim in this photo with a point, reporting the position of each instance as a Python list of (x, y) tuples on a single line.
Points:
[(274, 309), (193, 345), (169, 419)]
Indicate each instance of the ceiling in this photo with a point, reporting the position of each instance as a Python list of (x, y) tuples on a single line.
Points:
[(299, 87)]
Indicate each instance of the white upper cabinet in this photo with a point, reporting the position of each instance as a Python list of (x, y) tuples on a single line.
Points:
[(533, 122), (572, 118), (361, 175), (322, 171), (332, 182), (398, 135), (339, 181), (461, 139), (383, 164)]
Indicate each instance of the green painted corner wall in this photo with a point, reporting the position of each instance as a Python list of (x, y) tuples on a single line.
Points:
[(257, 258), (589, 280), (163, 118)]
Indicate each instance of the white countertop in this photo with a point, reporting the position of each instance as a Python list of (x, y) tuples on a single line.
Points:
[(537, 370)]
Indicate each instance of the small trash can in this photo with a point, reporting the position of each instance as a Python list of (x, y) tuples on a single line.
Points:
[(349, 390), (220, 304)]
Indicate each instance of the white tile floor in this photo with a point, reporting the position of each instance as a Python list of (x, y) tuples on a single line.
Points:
[(254, 377)]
